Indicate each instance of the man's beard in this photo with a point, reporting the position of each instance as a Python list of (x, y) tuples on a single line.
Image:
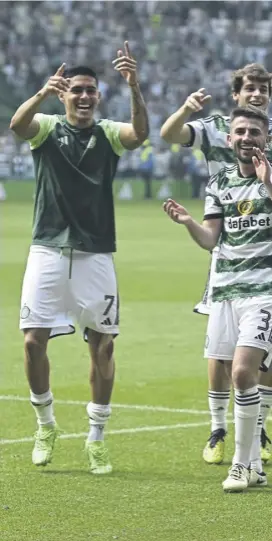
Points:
[(237, 153)]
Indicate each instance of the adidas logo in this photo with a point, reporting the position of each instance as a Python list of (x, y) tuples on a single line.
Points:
[(227, 197), (106, 321), (64, 140), (260, 336)]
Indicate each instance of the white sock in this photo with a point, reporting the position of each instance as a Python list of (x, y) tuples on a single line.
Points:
[(246, 413), (255, 453), (219, 404), (98, 415), (266, 401), (43, 406)]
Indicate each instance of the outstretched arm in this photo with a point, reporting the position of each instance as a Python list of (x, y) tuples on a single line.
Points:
[(175, 129), (134, 134), (23, 122)]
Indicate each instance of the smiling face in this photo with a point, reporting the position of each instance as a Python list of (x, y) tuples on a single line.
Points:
[(246, 133), (81, 100), (253, 92)]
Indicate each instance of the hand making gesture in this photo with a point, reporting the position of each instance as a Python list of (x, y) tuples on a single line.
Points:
[(262, 167), (57, 83), (196, 101), (126, 65), (176, 212)]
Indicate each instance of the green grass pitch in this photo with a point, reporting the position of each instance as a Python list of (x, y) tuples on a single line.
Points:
[(160, 489)]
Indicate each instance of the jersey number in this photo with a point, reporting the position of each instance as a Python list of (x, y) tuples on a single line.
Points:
[(110, 299), (265, 319)]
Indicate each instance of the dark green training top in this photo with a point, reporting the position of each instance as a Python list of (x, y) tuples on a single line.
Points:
[(74, 170)]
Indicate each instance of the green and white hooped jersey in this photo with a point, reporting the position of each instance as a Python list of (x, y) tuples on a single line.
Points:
[(244, 263), (210, 135)]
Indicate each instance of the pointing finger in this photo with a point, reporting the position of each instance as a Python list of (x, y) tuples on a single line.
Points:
[(127, 49), (61, 69)]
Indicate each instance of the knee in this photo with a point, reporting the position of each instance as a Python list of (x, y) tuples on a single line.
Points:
[(35, 342), (242, 378)]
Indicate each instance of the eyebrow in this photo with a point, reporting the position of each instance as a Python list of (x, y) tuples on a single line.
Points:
[(93, 87), (263, 85), (249, 129)]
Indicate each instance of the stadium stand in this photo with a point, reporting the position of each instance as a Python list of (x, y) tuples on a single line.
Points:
[(179, 46)]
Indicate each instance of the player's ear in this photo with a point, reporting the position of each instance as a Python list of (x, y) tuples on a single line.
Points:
[(61, 97), (229, 141), (235, 97)]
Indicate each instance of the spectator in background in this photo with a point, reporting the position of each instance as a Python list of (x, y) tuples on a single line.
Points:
[(197, 169), (146, 167), (216, 38)]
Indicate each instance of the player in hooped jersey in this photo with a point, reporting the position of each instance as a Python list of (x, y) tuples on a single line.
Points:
[(251, 85), (70, 267), (238, 210)]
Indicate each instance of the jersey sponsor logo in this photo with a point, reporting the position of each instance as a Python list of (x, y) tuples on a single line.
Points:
[(263, 191), (245, 207), (249, 223)]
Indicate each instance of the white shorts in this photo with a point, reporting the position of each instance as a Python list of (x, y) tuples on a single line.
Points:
[(61, 286), (204, 306), (240, 322)]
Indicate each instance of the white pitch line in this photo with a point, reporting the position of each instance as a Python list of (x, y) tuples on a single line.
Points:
[(114, 432), (139, 407)]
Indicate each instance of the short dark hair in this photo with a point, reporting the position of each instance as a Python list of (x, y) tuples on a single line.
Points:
[(80, 70), (250, 112), (254, 72)]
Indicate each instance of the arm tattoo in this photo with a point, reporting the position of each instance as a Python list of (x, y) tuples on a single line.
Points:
[(139, 116)]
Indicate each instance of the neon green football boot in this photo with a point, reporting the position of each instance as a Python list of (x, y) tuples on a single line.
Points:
[(45, 438), (214, 450), (265, 447), (98, 457)]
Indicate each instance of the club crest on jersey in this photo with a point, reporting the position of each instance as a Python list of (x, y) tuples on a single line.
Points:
[(92, 142), (263, 191), (25, 312), (245, 207)]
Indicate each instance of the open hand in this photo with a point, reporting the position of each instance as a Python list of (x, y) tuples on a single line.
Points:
[(196, 101), (176, 212), (126, 65), (262, 166)]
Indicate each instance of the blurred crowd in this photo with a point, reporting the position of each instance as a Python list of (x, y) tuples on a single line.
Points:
[(179, 46)]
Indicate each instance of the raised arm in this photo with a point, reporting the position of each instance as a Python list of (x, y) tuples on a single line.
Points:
[(175, 129), (134, 134), (263, 169), (23, 122), (205, 235)]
